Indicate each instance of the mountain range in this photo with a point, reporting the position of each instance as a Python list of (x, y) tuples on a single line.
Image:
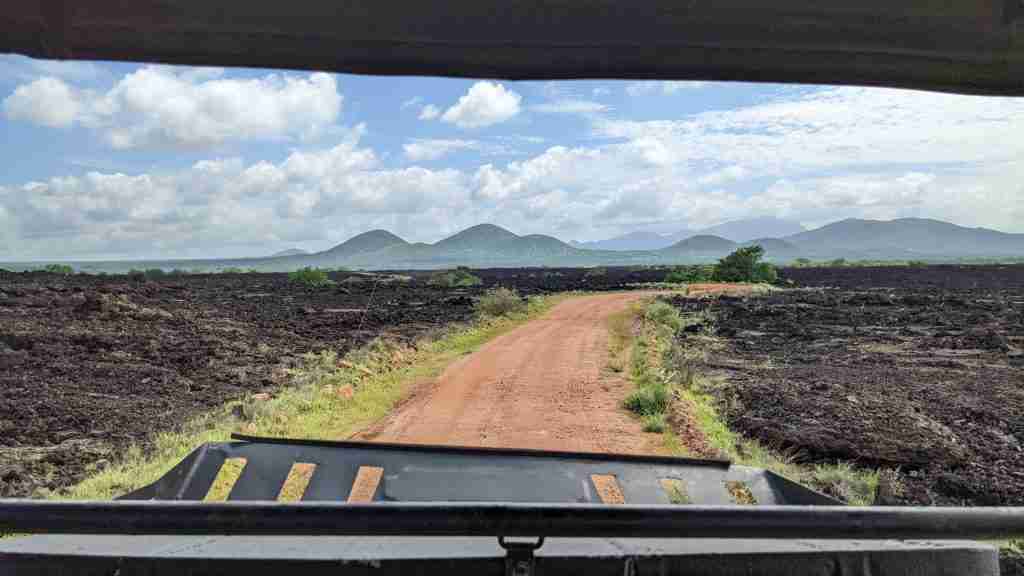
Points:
[(735, 230), (487, 245)]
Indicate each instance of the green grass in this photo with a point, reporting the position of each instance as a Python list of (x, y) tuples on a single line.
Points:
[(308, 276), (317, 405)]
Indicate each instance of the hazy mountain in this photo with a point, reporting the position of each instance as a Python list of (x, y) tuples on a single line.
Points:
[(745, 230), (367, 242), (632, 241), (289, 252), (702, 244), (775, 248), (737, 230), (905, 238)]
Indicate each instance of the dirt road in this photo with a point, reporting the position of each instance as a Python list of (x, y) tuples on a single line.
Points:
[(544, 385)]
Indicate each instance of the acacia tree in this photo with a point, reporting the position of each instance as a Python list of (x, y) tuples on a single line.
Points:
[(744, 265)]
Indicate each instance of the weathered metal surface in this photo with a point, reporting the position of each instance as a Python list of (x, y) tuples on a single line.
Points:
[(254, 555), (971, 46)]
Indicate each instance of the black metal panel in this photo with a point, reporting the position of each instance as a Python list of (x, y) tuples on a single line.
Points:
[(415, 473), (481, 519)]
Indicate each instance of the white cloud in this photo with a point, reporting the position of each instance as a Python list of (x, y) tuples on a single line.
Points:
[(571, 106), (195, 108), (432, 149), (46, 101), (429, 112), (485, 104), (222, 207), (665, 87)]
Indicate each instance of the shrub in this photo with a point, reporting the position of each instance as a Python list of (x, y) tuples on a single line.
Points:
[(648, 400), (594, 272), (744, 265), (664, 314), (458, 278), (63, 269), (155, 273), (690, 274), (654, 423), (308, 276), (232, 270), (838, 262), (499, 302), (917, 263), (802, 262)]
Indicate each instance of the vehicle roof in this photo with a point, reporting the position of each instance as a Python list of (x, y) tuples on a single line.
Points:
[(966, 46)]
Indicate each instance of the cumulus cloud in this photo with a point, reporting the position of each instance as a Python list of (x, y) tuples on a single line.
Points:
[(485, 104), (194, 108), (46, 101), (221, 207), (429, 112)]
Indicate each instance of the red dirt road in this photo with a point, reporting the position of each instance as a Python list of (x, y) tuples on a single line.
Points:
[(544, 385)]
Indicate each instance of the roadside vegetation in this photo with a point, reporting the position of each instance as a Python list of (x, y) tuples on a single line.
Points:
[(313, 277), (672, 396), (328, 398), (743, 265), (62, 269), (498, 302)]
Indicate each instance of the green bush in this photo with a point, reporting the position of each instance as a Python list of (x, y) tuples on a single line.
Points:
[(690, 274), (917, 263), (308, 276), (648, 400), (802, 262), (155, 273), (664, 314), (838, 262), (458, 278), (232, 270), (499, 302), (744, 265), (63, 269)]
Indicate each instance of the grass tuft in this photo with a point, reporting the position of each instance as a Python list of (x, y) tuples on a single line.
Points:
[(499, 302)]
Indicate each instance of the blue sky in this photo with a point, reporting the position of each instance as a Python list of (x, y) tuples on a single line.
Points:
[(110, 160)]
